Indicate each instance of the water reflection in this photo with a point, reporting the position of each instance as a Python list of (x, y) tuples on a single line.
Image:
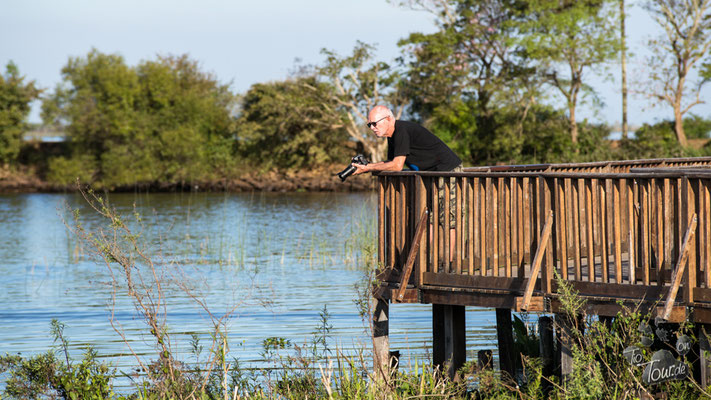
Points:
[(275, 258)]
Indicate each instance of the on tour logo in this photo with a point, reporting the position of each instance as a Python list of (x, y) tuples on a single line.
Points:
[(663, 366)]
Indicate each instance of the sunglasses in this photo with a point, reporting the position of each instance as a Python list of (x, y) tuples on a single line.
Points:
[(372, 124)]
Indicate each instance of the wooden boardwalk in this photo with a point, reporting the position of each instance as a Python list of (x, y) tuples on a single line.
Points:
[(630, 232)]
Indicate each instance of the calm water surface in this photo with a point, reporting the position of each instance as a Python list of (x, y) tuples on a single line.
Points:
[(276, 259)]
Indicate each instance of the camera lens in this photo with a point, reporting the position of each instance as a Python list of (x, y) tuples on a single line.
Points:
[(346, 172)]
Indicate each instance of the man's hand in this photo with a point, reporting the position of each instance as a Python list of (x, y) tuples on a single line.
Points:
[(360, 168)]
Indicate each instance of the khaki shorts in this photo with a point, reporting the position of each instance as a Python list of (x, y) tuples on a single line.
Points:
[(452, 199)]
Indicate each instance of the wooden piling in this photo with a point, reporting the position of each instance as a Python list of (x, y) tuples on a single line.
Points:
[(449, 339), (381, 338), (504, 333)]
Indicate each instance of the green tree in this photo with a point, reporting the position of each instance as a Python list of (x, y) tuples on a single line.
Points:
[(465, 77), (95, 104), (686, 40), (15, 98), (567, 38), (360, 82), (292, 124), (185, 117), (162, 122)]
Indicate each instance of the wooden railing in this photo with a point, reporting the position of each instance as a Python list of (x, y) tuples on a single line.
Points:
[(616, 233)]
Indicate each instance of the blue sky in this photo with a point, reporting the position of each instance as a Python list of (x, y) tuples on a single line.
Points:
[(244, 42)]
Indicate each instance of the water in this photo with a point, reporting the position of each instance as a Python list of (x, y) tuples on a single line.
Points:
[(275, 260)]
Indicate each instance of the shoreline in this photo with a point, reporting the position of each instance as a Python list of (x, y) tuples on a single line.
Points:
[(319, 180)]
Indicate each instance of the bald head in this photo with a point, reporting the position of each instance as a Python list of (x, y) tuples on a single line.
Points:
[(381, 121)]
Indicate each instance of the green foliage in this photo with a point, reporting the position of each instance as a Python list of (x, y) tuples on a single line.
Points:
[(290, 125), (166, 119), (526, 344), (697, 127), (360, 82), (89, 379), (566, 39), (15, 98), (542, 136), (653, 141), (29, 378), (66, 171), (45, 376)]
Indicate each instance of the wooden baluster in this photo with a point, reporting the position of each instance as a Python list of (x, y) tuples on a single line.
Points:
[(420, 208), (668, 226), (507, 226), (688, 212), (604, 237), (617, 229), (382, 246), (478, 206), (705, 194), (562, 233), (632, 245), (484, 232), (527, 221), (575, 194), (551, 255), (590, 224), (644, 230), (494, 221), (435, 225), (391, 222), (458, 226), (446, 226), (471, 217), (520, 227)]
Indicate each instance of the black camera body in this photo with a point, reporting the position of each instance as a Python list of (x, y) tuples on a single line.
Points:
[(350, 169)]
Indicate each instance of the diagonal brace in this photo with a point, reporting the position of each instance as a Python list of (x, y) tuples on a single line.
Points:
[(537, 260), (679, 269), (407, 269)]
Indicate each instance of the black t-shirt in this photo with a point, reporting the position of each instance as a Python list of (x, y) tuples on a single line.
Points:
[(421, 147)]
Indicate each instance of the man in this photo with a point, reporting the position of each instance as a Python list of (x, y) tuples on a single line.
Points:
[(408, 144), (413, 145)]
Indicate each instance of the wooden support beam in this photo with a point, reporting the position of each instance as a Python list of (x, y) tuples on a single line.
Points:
[(536, 266), (504, 333), (448, 338), (704, 378), (547, 349), (565, 344), (381, 338), (414, 251), (679, 269)]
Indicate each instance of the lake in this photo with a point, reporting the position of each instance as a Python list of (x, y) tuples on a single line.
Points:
[(275, 259)]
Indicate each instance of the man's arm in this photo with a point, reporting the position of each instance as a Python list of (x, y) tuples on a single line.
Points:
[(395, 164)]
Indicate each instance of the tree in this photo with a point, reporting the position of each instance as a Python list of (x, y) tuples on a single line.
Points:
[(566, 38), (361, 83), (187, 117), (163, 122), (465, 76), (292, 124), (686, 40), (15, 98), (623, 67)]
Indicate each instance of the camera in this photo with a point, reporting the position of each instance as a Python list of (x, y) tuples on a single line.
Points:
[(350, 169)]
